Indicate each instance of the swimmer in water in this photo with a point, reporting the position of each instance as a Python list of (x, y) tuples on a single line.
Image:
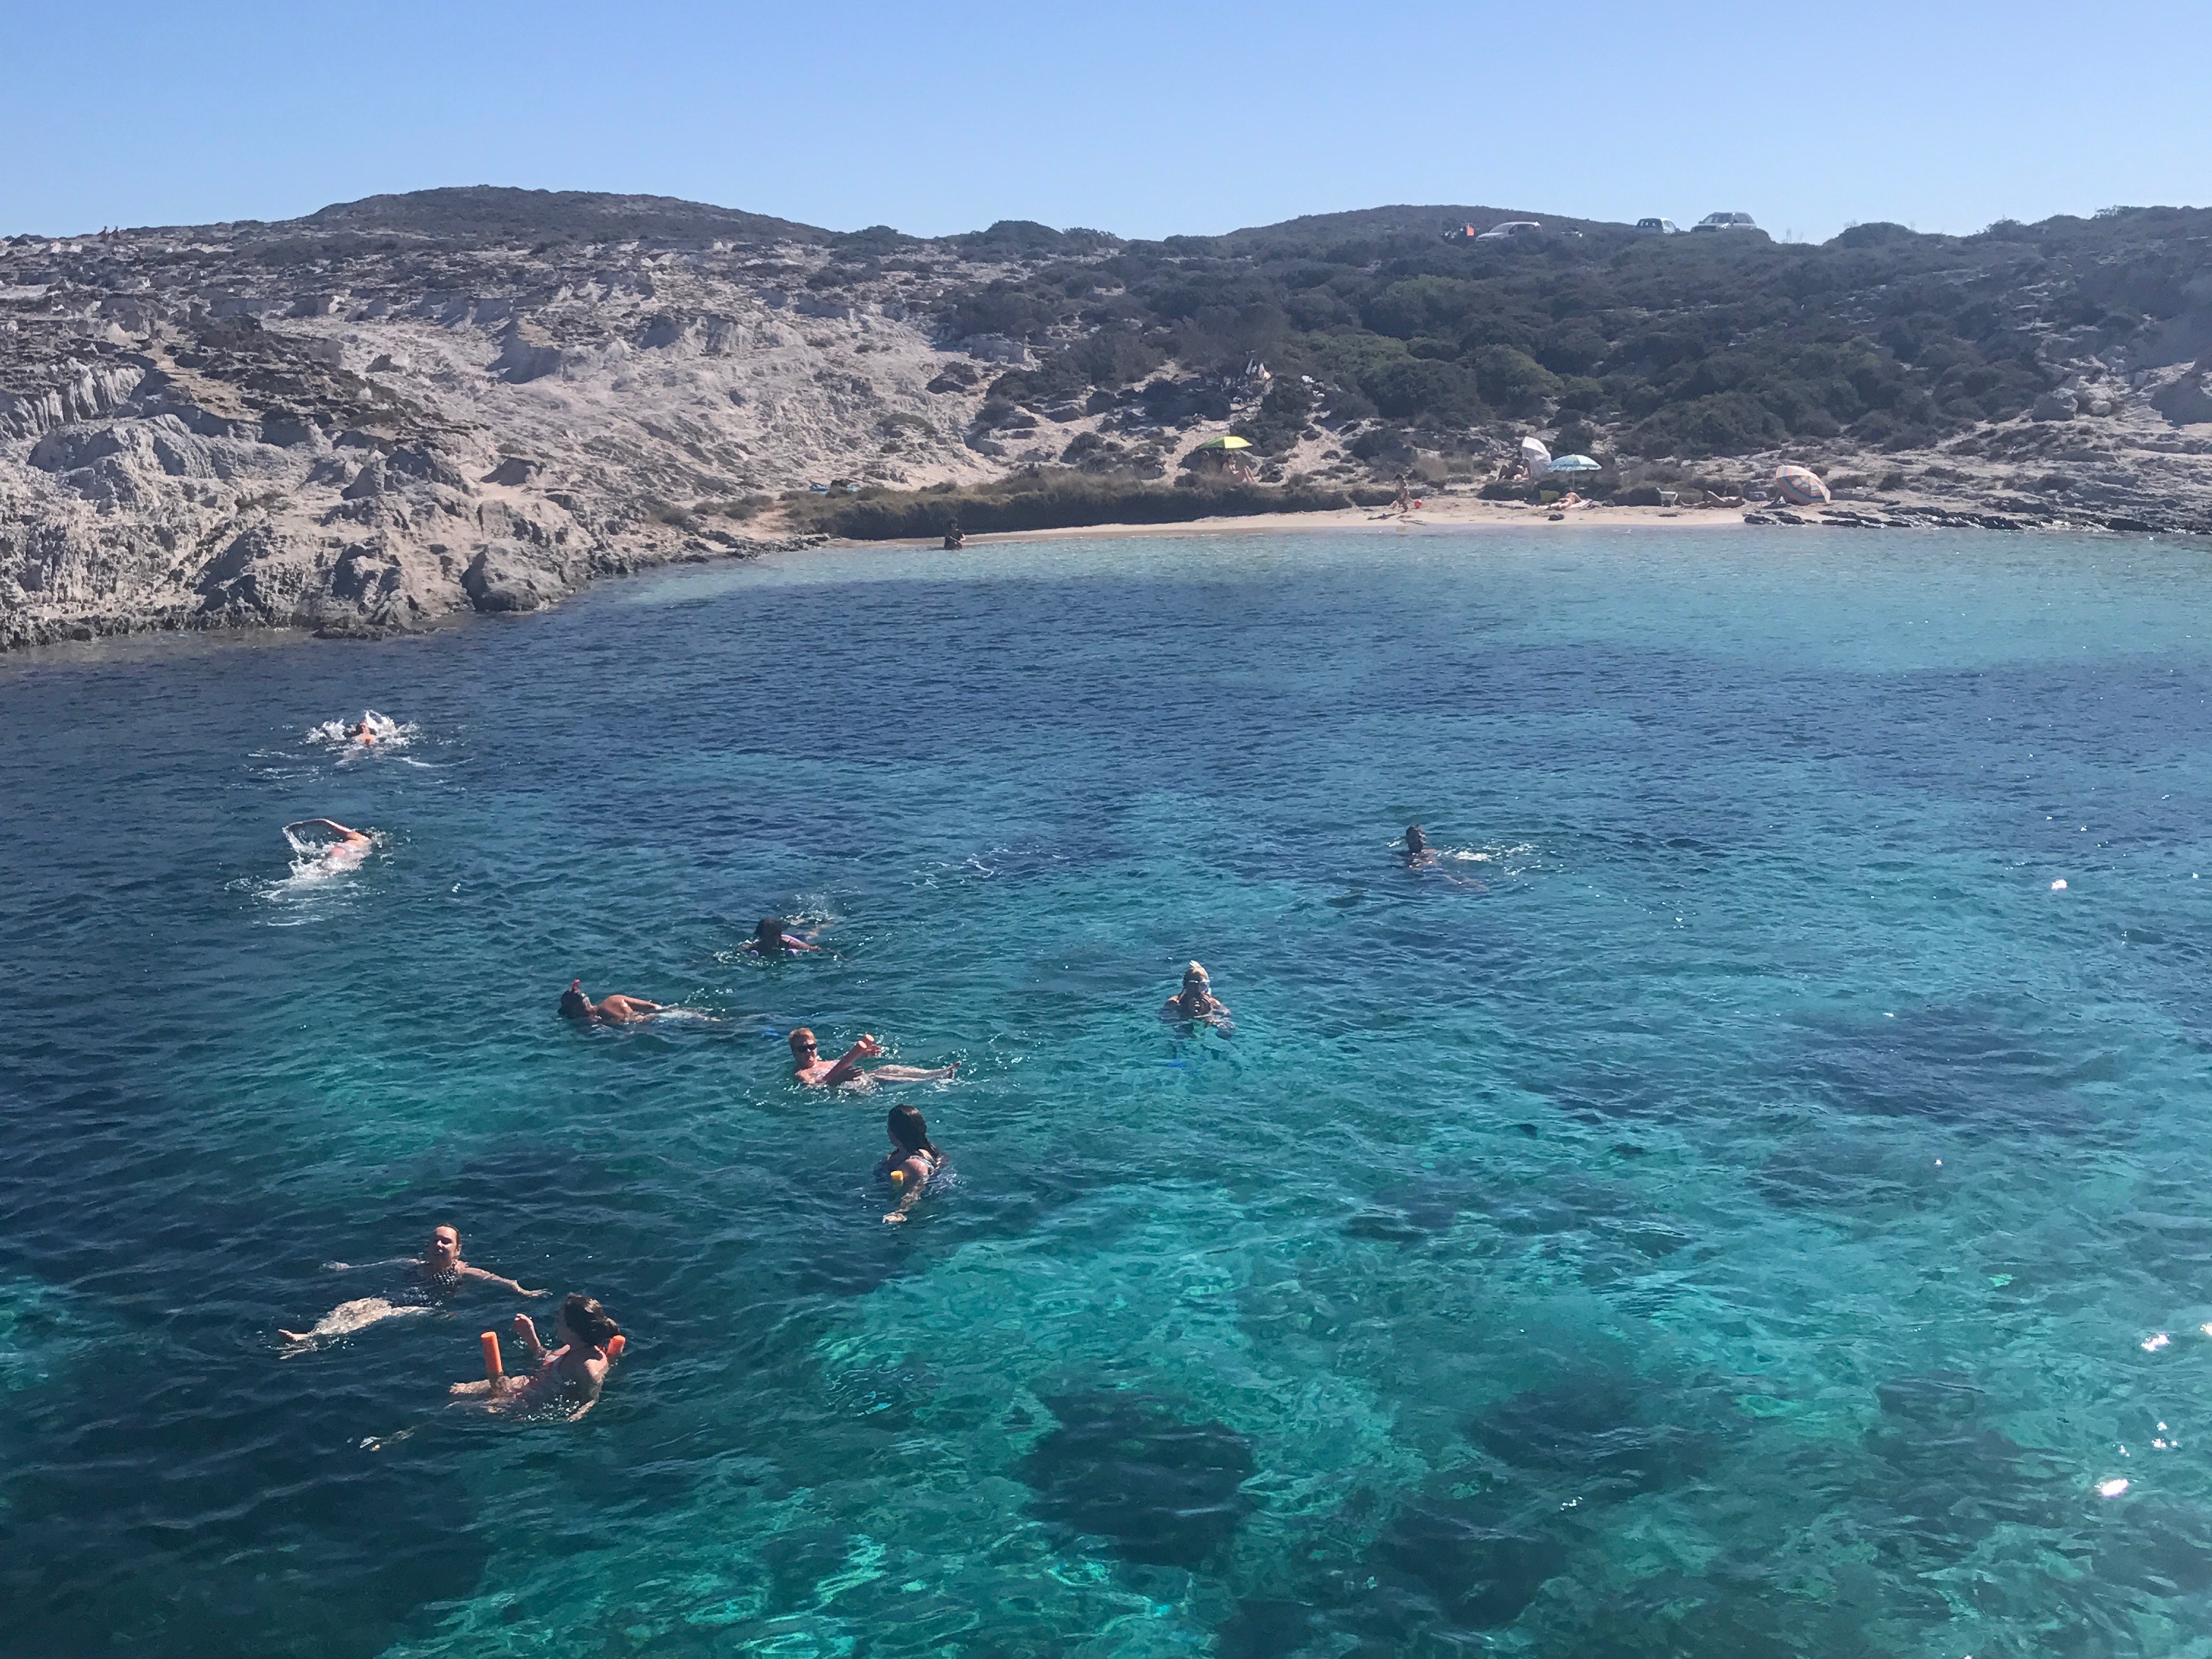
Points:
[(816, 1073), (770, 940), (347, 852), (912, 1162), (569, 1375), (440, 1274), (611, 1010), (360, 732), (1196, 1001)]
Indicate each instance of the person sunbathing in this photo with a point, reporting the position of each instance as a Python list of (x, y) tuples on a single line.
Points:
[(770, 940), (567, 1377), (611, 1010), (1196, 1001), (438, 1275), (816, 1073)]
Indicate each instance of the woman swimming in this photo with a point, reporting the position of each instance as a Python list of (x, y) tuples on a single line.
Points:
[(569, 1376), (816, 1073), (912, 1162), (1196, 1001), (613, 1009), (770, 940), (440, 1274)]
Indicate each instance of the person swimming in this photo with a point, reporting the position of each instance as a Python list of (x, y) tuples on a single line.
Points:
[(440, 1274), (569, 1376), (912, 1162), (770, 940), (614, 1009), (816, 1073), (1196, 1001), (360, 732), (346, 853), (1416, 847)]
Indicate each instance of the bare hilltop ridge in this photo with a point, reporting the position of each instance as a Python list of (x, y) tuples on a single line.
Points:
[(397, 408)]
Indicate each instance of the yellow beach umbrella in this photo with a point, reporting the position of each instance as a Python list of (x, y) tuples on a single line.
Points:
[(1226, 443)]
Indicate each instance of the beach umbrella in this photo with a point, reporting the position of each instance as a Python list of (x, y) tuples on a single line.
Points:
[(1226, 443), (1576, 464), (1535, 458), (1799, 487)]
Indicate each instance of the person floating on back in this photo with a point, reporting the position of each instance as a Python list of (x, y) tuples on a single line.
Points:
[(567, 1378), (816, 1073), (1196, 1001), (438, 1275), (770, 940), (912, 1162), (613, 1009)]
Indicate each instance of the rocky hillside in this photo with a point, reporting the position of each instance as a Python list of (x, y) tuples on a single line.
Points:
[(397, 407)]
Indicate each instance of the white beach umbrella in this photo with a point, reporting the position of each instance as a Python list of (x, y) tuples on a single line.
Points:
[(1535, 456)]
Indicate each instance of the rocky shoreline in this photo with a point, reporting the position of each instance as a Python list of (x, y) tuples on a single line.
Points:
[(389, 413)]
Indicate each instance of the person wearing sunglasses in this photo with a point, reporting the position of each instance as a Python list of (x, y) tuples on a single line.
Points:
[(816, 1073)]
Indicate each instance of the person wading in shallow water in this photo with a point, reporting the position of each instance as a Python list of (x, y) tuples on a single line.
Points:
[(613, 1010), (438, 1274), (816, 1073)]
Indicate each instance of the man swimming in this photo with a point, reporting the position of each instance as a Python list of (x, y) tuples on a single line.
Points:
[(816, 1073), (1416, 848), (569, 1376), (770, 940), (613, 1009), (440, 1274), (1196, 1001), (347, 852)]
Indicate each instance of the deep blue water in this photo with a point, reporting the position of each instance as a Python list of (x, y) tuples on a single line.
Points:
[(1723, 1212)]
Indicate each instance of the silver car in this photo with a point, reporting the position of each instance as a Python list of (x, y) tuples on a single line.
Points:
[(1725, 221), (1658, 227)]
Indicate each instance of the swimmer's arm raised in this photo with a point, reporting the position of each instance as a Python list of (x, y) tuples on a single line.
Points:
[(493, 1278), (848, 1063), (527, 1333)]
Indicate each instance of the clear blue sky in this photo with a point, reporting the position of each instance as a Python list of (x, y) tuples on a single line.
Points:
[(1138, 117)]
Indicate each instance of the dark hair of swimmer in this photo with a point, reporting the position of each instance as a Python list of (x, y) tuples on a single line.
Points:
[(910, 1132), (591, 1324), (769, 936), (574, 1003), (1415, 840)]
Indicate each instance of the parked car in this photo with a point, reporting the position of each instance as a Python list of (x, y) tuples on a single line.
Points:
[(1505, 230), (1725, 221), (1658, 227)]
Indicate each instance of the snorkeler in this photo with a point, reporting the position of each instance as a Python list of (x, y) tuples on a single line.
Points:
[(816, 1073), (569, 1375), (912, 1162), (614, 1009), (440, 1273), (347, 852), (1196, 1000), (770, 940)]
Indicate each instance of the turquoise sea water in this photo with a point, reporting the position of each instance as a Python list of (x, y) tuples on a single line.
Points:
[(1729, 1208)]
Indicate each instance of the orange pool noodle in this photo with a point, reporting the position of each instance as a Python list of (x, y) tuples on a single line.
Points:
[(493, 1369), (616, 1344)]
